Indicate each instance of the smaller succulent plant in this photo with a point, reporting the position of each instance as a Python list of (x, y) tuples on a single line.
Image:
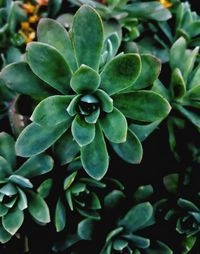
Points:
[(15, 189), (81, 195), (124, 238), (129, 15), (189, 222), (184, 88)]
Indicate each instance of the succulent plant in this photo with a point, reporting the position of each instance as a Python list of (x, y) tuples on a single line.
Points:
[(15, 189), (125, 238), (183, 92), (82, 195), (88, 102)]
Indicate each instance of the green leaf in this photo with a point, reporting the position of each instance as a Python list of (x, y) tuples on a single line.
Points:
[(191, 116), (138, 241), (69, 180), (148, 10), (143, 131), (109, 123), (13, 220), (20, 78), (94, 156), (5, 169), (91, 214), (47, 32), (66, 148), (159, 248), (38, 208), (82, 132), (72, 108), (87, 36), (106, 101), (49, 65), (195, 79), (171, 182), (182, 58), (60, 216), (131, 150), (120, 245), (187, 244), (113, 199), (86, 229), (45, 188), (143, 193), (21, 181), (4, 235), (9, 189), (151, 67), (22, 202), (93, 117), (194, 93), (3, 210), (93, 202), (52, 111), (121, 72), (35, 139), (85, 80), (137, 217), (7, 149), (187, 205), (36, 165), (114, 233), (177, 86), (144, 106)]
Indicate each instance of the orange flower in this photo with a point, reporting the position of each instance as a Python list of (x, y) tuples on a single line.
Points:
[(29, 8), (42, 2), (166, 3)]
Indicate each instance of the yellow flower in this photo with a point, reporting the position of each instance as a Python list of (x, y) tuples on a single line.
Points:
[(33, 19), (166, 3), (27, 32)]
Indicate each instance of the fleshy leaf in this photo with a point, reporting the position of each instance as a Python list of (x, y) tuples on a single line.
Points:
[(94, 156), (85, 80), (52, 111), (38, 208), (106, 101), (21, 181), (151, 67), (82, 132), (36, 165), (86, 229), (60, 216), (137, 217), (131, 150), (7, 148), (49, 65), (5, 169), (114, 126), (87, 36), (13, 220), (20, 78), (120, 73), (66, 148), (177, 86), (144, 106), (4, 235), (48, 31), (35, 139)]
